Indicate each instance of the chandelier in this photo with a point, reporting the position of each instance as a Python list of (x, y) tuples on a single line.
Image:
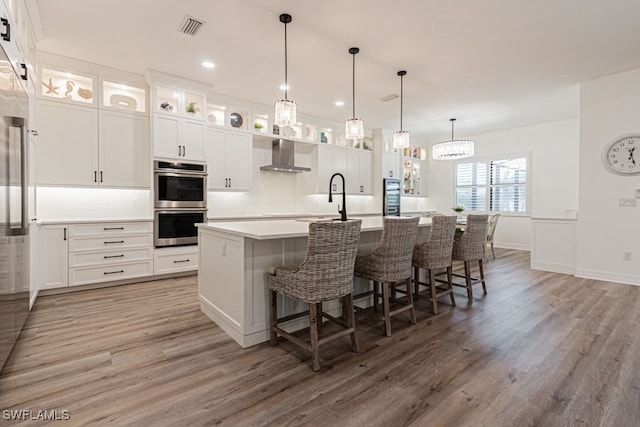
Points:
[(453, 149), (285, 114), (353, 127)]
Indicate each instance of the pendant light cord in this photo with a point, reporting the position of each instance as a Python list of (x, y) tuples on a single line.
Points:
[(401, 98), (353, 86), (286, 81), (452, 120)]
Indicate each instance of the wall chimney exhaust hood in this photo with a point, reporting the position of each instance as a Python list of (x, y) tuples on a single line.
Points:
[(282, 158)]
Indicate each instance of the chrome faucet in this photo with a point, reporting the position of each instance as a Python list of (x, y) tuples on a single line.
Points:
[(343, 212)]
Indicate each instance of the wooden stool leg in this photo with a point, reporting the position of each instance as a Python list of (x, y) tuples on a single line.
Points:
[(313, 330), (273, 340), (351, 321), (376, 295), (450, 281), (432, 285), (412, 310), (467, 276), (319, 315), (484, 286), (416, 281), (385, 304)]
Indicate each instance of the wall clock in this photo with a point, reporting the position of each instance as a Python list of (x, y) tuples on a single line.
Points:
[(622, 155)]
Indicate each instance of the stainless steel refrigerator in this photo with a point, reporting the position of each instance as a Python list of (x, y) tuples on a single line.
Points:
[(14, 228)]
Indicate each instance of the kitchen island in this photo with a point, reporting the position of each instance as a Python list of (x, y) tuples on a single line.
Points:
[(235, 262)]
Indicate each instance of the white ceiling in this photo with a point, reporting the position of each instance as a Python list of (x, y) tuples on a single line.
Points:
[(492, 64)]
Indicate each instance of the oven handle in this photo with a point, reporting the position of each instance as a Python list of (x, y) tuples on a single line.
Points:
[(179, 174)]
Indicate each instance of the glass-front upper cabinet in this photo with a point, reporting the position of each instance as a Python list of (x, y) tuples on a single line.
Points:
[(124, 97), (67, 86)]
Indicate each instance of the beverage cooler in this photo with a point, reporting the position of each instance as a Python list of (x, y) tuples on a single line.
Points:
[(391, 191)]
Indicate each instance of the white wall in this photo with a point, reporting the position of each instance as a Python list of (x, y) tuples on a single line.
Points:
[(554, 175), (610, 107), (67, 204)]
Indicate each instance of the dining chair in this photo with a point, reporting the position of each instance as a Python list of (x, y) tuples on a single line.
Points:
[(433, 255), (390, 264), (325, 274), (469, 247), (491, 230)]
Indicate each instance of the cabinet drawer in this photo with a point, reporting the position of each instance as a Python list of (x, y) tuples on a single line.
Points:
[(175, 262), (86, 259), (109, 242), (85, 276), (107, 229)]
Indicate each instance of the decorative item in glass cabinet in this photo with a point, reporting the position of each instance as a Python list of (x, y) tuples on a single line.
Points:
[(453, 149), (401, 137), (236, 120), (192, 108), (285, 109), (354, 127)]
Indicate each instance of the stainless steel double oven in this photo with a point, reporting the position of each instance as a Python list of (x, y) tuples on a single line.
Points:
[(180, 202)]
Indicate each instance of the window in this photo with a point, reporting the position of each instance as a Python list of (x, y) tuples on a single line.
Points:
[(500, 185)]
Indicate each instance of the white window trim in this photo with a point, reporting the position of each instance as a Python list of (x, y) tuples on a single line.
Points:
[(488, 160)]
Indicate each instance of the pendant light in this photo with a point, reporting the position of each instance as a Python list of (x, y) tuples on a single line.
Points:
[(353, 127), (401, 137), (285, 114), (453, 149)]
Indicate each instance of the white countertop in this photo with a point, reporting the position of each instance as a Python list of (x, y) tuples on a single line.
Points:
[(282, 229), (90, 221)]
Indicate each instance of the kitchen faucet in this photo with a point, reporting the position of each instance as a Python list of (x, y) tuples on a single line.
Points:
[(343, 212)]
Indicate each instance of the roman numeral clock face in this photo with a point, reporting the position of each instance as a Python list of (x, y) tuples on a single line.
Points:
[(622, 156)]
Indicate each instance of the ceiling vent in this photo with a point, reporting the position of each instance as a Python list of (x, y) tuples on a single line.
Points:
[(389, 97), (190, 25)]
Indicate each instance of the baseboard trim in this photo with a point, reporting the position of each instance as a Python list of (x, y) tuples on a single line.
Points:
[(627, 279), (553, 267)]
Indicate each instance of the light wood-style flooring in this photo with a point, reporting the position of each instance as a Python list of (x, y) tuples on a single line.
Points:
[(540, 349)]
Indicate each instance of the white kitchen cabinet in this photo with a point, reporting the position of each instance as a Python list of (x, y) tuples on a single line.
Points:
[(54, 256), (103, 252), (359, 179), (391, 165), (178, 138), (175, 260), (229, 159), (330, 160), (124, 156), (67, 144)]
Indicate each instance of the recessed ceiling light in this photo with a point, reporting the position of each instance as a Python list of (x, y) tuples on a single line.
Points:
[(339, 103), (285, 87), (207, 64)]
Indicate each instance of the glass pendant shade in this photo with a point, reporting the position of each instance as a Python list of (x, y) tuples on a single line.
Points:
[(285, 114), (401, 139), (453, 149), (353, 129)]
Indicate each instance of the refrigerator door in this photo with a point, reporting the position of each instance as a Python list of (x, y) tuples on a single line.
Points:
[(14, 243)]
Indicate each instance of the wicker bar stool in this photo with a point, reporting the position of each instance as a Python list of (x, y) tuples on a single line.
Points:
[(325, 274), (433, 255), (390, 264), (468, 247)]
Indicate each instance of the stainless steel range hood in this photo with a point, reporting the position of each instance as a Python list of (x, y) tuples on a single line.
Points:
[(282, 158)]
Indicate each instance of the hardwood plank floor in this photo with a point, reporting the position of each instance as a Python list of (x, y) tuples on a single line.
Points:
[(539, 349)]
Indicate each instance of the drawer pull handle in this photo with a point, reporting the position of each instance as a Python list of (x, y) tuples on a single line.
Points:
[(113, 228), (114, 256), (114, 272), (182, 260), (116, 241), (6, 36)]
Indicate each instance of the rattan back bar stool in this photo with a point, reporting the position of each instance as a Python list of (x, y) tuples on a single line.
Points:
[(434, 255), (469, 247), (390, 264), (325, 274)]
